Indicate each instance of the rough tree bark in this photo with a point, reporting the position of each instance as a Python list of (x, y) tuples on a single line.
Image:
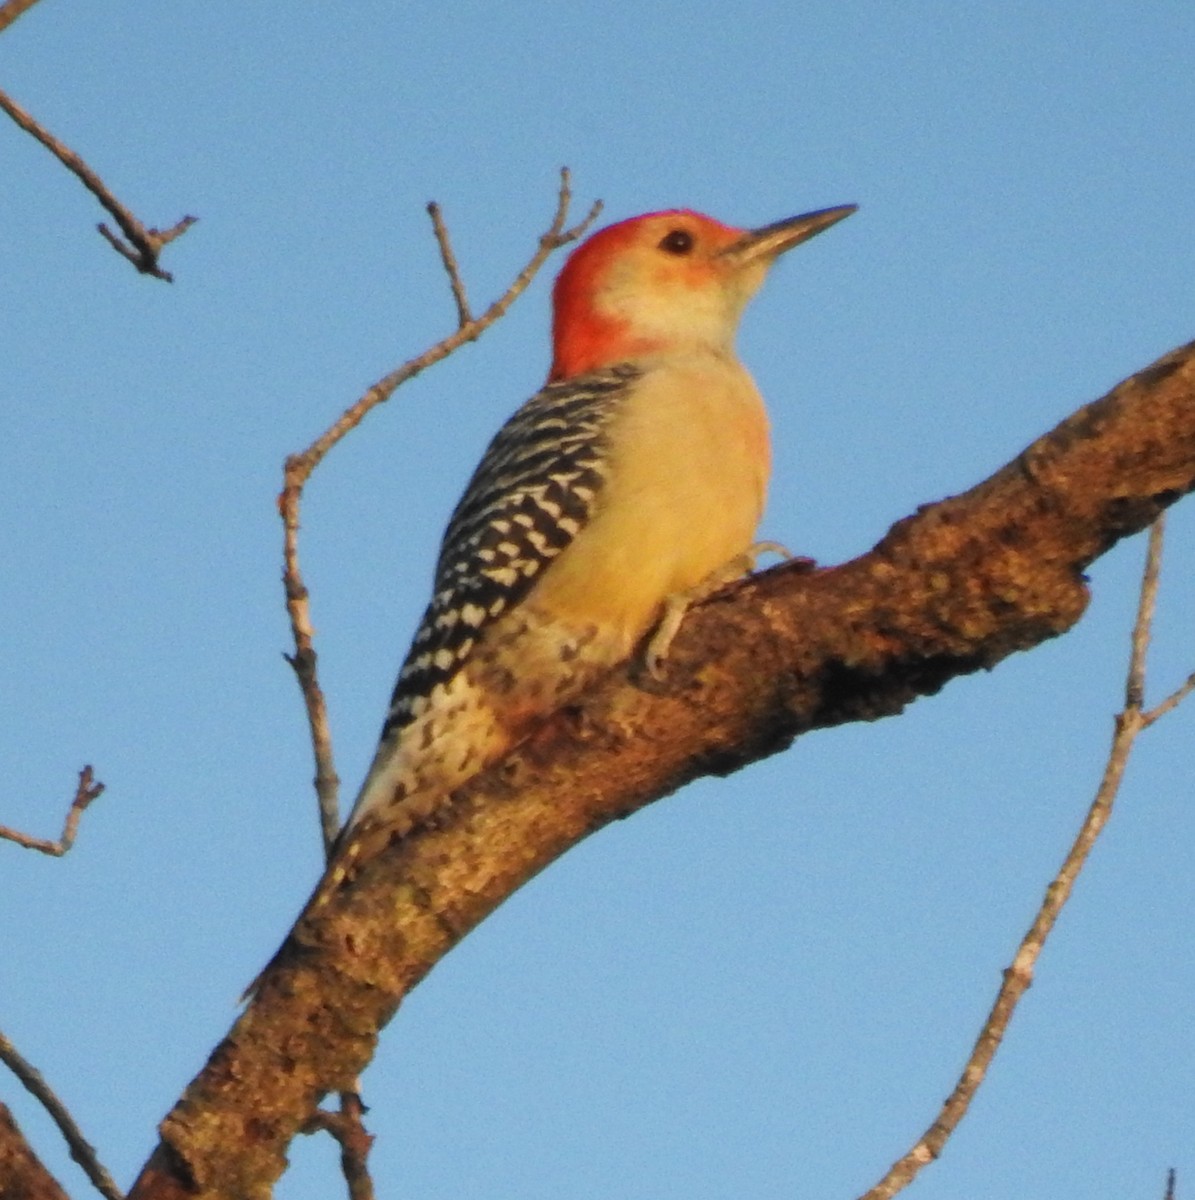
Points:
[(952, 589), (22, 1174)]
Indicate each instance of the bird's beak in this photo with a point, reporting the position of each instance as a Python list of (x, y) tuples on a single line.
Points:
[(769, 242)]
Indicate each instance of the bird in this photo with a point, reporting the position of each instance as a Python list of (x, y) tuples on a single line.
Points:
[(629, 486)]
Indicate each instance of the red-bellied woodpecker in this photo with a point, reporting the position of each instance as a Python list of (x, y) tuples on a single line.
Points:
[(634, 477)]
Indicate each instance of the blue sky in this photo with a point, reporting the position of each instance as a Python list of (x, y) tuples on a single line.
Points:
[(761, 986)]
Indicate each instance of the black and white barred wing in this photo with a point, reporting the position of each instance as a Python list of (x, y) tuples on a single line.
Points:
[(533, 491)]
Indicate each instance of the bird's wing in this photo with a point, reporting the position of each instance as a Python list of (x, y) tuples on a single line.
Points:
[(534, 490)]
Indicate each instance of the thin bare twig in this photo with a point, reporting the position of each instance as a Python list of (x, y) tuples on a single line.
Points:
[(1017, 978), (143, 245), (299, 467), (1134, 687), (87, 791), (448, 258), (13, 9), (1175, 698), (81, 1150)]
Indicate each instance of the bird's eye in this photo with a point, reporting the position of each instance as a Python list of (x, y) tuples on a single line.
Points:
[(677, 241)]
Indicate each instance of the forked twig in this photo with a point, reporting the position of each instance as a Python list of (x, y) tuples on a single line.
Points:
[(299, 467), (81, 1150), (87, 791), (1017, 978), (142, 246)]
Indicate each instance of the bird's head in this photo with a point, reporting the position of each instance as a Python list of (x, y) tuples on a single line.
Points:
[(663, 281)]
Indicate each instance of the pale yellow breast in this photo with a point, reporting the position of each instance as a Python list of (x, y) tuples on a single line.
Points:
[(689, 470)]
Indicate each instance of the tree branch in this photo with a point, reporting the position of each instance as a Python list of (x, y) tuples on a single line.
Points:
[(953, 589), (1129, 723), (87, 791), (143, 245)]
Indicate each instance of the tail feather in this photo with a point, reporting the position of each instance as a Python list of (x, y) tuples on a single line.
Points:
[(527, 667)]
